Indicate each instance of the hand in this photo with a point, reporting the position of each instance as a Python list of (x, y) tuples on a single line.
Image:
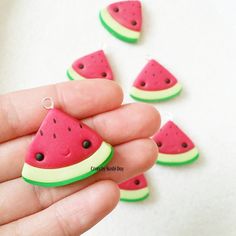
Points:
[(70, 210)]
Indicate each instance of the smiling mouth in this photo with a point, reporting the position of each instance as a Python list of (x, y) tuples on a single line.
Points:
[(66, 152)]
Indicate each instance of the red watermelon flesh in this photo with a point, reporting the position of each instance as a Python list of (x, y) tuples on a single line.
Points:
[(127, 13), (172, 140), (94, 65), (154, 77), (60, 139), (135, 183)]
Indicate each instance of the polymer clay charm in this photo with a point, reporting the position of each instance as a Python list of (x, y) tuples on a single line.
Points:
[(175, 147), (123, 20), (134, 189), (91, 66), (155, 84), (64, 150)]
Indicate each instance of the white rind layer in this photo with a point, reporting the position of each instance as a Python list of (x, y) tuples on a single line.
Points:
[(155, 95), (177, 158), (133, 194), (75, 76), (117, 27), (61, 174)]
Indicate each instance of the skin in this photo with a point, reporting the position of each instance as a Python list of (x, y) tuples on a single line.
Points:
[(73, 209)]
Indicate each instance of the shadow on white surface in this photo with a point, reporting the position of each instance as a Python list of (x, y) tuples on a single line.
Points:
[(6, 8)]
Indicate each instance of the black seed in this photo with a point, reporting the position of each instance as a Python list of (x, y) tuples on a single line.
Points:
[(133, 22), (54, 136), (39, 156), (81, 66), (86, 144), (69, 128), (142, 83), (167, 81), (104, 74), (116, 9), (159, 144), (54, 120), (41, 132), (184, 145), (136, 182), (80, 126)]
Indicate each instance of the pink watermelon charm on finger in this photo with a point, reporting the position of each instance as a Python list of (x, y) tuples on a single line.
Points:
[(134, 189), (155, 84), (91, 66), (175, 147), (123, 20), (63, 151)]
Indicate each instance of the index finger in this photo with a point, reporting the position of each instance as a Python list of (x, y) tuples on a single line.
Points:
[(21, 112)]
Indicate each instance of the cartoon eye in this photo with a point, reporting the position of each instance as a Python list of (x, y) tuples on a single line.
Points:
[(142, 83), (167, 81), (159, 144), (133, 22), (116, 9), (184, 145), (81, 66), (104, 74), (39, 156), (86, 144)]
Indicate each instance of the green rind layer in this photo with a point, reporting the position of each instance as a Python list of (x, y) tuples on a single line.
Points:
[(192, 159), (156, 100), (134, 199), (68, 75), (114, 33), (69, 181)]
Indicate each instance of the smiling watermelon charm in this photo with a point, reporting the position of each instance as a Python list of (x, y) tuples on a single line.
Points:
[(134, 189), (155, 84), (123, 20), (64, 150), (92, 66), (175, 147)]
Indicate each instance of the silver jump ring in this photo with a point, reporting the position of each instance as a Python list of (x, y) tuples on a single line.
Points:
[(48, 103)]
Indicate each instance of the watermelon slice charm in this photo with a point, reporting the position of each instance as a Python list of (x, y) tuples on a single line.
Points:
[(134, 189), (175, 147), (64, 150), (92, 66), (123, 20), (155, 84)]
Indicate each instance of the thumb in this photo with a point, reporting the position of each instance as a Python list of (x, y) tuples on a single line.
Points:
[(72, 215)]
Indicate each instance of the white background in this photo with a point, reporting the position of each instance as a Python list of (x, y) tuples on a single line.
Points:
[(196, 41)]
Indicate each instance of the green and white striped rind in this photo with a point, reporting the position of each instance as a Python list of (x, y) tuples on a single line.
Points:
[(155, 96), (73, 75), (69, 174), (116, 29), (134, 195), (178, 159)]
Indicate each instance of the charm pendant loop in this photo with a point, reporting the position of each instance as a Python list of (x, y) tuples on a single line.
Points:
[(48, 103)]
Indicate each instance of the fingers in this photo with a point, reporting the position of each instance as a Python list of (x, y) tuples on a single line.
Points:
[(21, 112), (134, 157), (12, 154), (72, 215), (137, 120), (118, 126)]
